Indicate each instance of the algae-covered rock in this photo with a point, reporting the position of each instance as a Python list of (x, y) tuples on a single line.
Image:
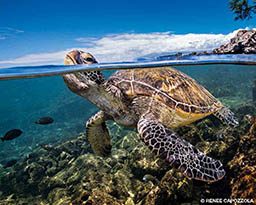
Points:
[(59, 196), (98, 198), (69, 173), (243, 167), (152, 196)]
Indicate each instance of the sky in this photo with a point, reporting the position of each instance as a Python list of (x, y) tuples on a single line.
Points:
[(42, 30)]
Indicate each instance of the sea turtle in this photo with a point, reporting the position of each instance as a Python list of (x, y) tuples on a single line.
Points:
[(154, 101)]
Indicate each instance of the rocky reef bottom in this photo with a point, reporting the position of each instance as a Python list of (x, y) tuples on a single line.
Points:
[(70, 173)]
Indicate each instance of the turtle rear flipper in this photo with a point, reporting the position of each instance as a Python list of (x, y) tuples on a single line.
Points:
[(98, 135), (226, 116), (181, 154)]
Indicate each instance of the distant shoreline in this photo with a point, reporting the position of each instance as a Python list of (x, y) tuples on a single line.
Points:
[(243, 43)]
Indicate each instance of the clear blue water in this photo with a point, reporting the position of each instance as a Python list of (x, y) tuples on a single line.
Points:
[(23, 101)]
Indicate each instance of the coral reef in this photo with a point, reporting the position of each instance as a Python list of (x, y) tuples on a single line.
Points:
[(243, 165), (69, 173)]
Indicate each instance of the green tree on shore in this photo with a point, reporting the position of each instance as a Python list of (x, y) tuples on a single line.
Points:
[(243, 9)]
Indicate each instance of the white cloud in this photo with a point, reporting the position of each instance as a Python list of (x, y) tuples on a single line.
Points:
[(36, 59), (6, 32), (128, 47)]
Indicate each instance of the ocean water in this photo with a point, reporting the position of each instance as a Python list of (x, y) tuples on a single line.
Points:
[(23, 101)]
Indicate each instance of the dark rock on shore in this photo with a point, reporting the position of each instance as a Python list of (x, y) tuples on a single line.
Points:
[(243, 43)]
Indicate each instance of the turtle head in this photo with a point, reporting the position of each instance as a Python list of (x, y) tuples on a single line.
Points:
[(79, 57), (80, 81)]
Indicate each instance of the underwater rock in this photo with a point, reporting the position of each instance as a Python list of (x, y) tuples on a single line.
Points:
[(243, 42), (150, 178), (35, 172), (59, 196), (68, 173), (143, 162), (174, 185), (60, 174), (250, 121), (243, 167), (98, 198), (152, 196)]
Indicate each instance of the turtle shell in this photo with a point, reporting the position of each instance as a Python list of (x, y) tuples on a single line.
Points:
[(174, 88)]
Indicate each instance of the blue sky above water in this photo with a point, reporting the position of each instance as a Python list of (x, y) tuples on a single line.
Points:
[(29, 26)]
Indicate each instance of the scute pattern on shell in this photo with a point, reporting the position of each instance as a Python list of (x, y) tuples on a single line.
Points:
[(174, 88)]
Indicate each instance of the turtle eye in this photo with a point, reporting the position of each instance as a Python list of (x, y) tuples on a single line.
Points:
[(89, 59)]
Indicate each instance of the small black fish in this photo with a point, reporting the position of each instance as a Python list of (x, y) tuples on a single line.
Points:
[(11, 134), (9, 163), (44, 121)]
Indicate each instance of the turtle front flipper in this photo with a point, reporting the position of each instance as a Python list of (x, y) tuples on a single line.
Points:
[(98, 135), (226, 116), (181, 154)]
